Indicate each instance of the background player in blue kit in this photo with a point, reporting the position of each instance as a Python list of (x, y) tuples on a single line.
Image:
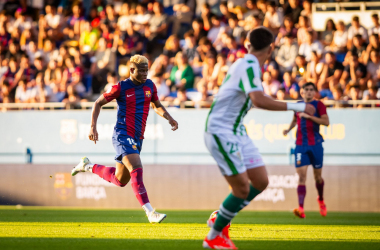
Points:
[(309, 150)]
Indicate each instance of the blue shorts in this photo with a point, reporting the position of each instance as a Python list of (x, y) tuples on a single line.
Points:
[(125, 145), (306, 155)]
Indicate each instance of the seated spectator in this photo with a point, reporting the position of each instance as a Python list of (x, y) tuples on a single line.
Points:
[(287, 28), (4, 67), (69, 70), (328, 33), (5, 92), (355, 94), (236, 51), (358, 47), (53, 74), (104, 61), (205, 47), (273, 18), (41, 93), (216, 28), (290, 87), (337, 92), (111, 80), (331, 72), (206, 16), (293, 9), (272, 67), (158, 25), (281, 94), (76, 83), (309, 46), (183, 12), (23, 93), (287, 54), (307, 11), (182, 75), (270, 85), (375, 29), (339, 42), (374, 44), (160, 67), (355, 29), (125, 17), (208, 79), (38, 66), (130, 43), (88, 38), (198, 28), (163, 90), (313, 69), (220, 70), (72, 96), (355, 72), (190, 49), (373, 91), (172, 47), (235, 30), (11, 73), (25, 39), (304, 29), (251, 22), (181, 98), (110, 20), (52, 19), (141, 19), (373, 66), (32, 51)]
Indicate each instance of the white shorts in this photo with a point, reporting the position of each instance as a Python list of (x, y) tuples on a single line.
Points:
[(234, 154)]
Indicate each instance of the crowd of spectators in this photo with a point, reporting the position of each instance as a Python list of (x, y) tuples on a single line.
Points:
[(72, 53)]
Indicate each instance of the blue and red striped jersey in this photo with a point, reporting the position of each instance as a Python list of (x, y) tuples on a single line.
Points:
[(133, 103), (307, 130)]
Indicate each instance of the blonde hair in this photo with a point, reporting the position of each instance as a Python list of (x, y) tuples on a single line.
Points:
[(138, 59)]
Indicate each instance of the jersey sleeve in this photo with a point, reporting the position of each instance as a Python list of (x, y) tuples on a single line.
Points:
[(250, 80), (113, 92), (321, 108), (154, 96)]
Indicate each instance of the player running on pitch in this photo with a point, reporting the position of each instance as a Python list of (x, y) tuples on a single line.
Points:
[(133, 96), (226, 138), (309, 150)]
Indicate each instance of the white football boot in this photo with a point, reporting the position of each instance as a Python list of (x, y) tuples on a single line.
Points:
[(83, 166), (156, 217)]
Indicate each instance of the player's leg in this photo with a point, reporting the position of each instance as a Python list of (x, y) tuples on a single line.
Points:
[(317, 163), (134, 165), (256, 170), (226, 150), (302, 161)]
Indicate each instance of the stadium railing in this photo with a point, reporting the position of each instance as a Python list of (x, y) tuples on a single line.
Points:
[(188, 104), (343, 12)]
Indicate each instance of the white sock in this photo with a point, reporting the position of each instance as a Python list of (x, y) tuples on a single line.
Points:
[(147, 208), (212, 234), (88, 167)]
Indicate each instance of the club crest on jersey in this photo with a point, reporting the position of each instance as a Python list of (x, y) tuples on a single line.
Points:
[(148, 94), (134, 147)]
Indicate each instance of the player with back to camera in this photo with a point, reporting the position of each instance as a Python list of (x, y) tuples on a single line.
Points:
[(134, 96), (309, 150), (226, 137)]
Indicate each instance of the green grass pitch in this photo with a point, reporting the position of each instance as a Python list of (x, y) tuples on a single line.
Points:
[(57, 228)]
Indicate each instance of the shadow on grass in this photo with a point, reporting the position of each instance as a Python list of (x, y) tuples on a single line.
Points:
[(136, 244), (30, 214)]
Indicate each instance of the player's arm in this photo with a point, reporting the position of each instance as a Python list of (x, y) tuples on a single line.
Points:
[(161, 111), (323, 120), (259, 100), (93, 135), (291, 126)]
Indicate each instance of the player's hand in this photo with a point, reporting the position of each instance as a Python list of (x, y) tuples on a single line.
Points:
[(93, 135), (285, 132), (310, 109), (304, 115), (174, 124)]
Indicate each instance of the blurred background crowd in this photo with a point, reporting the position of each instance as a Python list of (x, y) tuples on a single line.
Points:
[(72, 51)]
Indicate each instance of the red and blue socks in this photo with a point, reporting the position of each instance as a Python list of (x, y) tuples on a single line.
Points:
[(139, 190), (107, 173), (301, 190)]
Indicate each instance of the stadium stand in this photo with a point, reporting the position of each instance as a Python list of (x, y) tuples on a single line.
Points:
[(64, 54)]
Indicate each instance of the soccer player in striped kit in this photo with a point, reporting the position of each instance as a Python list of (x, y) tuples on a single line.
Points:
[(309, 150), (134, 97)]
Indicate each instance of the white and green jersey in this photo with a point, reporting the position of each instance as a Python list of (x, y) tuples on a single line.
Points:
[(232, 102)]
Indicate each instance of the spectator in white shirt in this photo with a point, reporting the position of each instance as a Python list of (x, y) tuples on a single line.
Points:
[(41, 93), (339, 42), (355, 29), (141, 19), (23, 94), (309, 46), (273, 18), (376, 25), (53, 20), (217, 27), (287, 54)]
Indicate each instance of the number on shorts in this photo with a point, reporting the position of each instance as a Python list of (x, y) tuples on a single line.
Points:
[(234, 147), (298, 157), (131, 141)]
